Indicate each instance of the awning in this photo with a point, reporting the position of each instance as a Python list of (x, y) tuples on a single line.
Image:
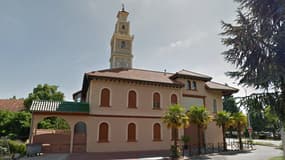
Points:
[(59, 107)]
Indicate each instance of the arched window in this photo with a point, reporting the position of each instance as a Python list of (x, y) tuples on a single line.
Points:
[(123, 44), (156, 101), (188, 85), (215, 109), (156, 132), (131, 132), (105, 98), (80, 128), (132, 99), (103, 132), (173, 99)]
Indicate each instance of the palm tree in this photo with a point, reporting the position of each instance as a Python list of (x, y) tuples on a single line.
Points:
[(176, 118), (239, 123), (200, 117), (223, 119)]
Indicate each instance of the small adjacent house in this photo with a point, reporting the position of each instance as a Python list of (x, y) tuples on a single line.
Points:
[(120, 109)]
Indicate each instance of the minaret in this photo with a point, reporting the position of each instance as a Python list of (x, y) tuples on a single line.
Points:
[(121, 42)]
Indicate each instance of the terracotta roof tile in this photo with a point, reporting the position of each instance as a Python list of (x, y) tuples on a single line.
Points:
[(189, 74), (135, 74), (222, 87), (194, 74), (14, 105)]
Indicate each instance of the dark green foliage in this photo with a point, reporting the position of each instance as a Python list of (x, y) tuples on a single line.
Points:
[(44, 92), (262, 113), (175, 152), (230, 105), (256, 44), (53, 123), (49, 93), (17, 147), (272, 121), (201, 117), (15, 125), (175, 118)]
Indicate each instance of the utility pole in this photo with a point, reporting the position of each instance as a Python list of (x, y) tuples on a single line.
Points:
[(248, 116)]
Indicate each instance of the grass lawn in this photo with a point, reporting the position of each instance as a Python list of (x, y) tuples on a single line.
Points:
[(264, 144), (277, 158)]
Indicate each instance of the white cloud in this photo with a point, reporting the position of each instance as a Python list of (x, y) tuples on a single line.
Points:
[(195, 39)]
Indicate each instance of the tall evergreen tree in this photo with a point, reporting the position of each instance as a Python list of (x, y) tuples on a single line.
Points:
[(230, 104), (256, 44)]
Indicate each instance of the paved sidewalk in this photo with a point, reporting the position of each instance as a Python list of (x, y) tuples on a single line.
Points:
[(55, 156), (261, 153)]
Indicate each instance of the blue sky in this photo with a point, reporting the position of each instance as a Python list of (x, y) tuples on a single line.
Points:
[(57, 41)]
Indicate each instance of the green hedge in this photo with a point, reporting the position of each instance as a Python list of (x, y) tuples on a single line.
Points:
[(17, 147)]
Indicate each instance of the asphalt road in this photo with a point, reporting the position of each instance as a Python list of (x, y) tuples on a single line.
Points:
[(261, 153)]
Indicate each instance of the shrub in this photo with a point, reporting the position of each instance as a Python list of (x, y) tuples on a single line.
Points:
[(175, 152), (17, 147)]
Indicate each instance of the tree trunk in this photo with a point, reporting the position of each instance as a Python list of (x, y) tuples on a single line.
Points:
[(203, 138), (283, 106), (240, 141), (283, 139), (199, 140), (175, 139), (224, 138)]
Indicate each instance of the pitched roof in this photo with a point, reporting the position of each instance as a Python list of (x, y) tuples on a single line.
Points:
[(150, 77), (60, 107), (136, 75), (218, 86), (13, 105), (190, 74)]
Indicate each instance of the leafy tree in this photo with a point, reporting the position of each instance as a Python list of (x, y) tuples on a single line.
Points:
[(176, 118), (15, 125), (257, 47), (44, 92), (239, 123), (262, 114), (200, 117), (255, 108), (223, 119), (256, 44), (230, 105), (48, 93), (53, 123), (272, 121), (5, 120), (20, 124)]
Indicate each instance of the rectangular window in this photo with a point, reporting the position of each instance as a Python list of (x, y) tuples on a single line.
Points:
[(215, 110), (156, 101), (194, 85), (191, 85)]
